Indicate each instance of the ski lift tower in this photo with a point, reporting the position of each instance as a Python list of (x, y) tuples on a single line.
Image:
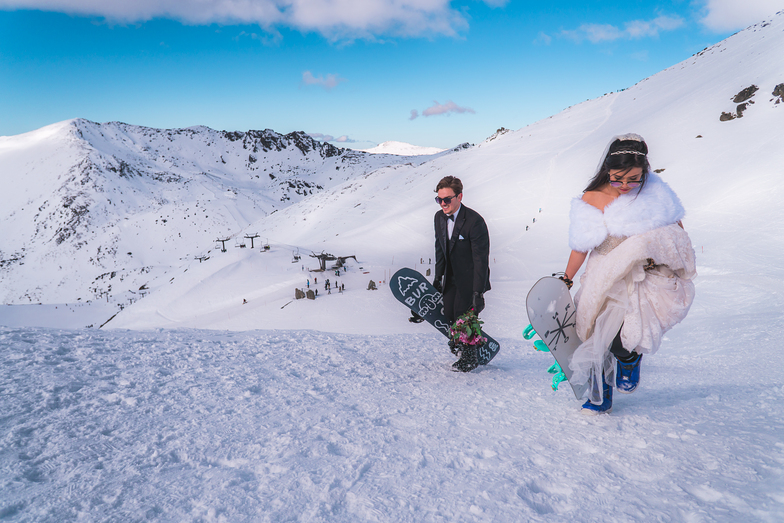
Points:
[(223, 243), (251, 237), (323, 258)]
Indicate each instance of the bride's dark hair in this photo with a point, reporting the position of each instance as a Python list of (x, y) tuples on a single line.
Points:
[(624, 154)]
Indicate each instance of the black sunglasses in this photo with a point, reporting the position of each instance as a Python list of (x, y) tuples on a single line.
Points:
[(446, 200)]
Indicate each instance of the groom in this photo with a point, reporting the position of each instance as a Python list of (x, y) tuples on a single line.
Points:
[(462, 262)]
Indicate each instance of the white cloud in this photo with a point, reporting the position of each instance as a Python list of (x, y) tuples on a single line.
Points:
[(270, 37), (642, 28), (669, 23), (328, 83), (335, 19), (414, 114), (633, 30), (448, 107), (600, 32), (543, 39), (732, 15)]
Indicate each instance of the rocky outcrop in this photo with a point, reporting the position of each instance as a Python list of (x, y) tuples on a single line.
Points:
[(268, 140), (778, 94), (745, 98), (745, 94)]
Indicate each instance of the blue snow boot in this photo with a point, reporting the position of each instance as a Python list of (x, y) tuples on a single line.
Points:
[(606, 407), (627, 375)]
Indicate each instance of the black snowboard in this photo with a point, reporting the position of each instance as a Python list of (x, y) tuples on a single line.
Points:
[(419, 295)]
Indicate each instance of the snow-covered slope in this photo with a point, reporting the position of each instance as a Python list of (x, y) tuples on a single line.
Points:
[(727, 172), (403, 149), (95, 211)]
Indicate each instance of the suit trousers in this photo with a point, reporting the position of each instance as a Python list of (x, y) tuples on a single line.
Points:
[(455, 304)]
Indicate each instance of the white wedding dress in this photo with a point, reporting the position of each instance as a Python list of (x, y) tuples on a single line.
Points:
[(616, 289)]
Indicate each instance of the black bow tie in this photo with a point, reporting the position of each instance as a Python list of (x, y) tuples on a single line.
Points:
[(450, 217)]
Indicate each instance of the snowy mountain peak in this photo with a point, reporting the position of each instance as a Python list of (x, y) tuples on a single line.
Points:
[(98, 199), (254, 141), (403, 149)]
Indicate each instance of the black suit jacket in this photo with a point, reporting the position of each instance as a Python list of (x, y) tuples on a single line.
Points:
[(468, 266)]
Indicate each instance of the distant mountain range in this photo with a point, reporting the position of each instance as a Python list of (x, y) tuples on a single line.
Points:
[(91, 211)]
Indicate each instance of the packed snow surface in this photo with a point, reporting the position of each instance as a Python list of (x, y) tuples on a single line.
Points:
[(190, 425)]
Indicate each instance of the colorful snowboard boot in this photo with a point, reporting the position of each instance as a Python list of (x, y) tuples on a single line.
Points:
[(627, 375), (590, 409)]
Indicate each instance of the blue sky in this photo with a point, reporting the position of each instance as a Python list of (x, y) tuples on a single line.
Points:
[(358, 72)]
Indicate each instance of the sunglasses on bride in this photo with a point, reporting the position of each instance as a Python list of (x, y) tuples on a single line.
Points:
[(631, 185)]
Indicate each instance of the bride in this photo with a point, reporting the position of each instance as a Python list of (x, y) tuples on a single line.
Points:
[(638, 280)]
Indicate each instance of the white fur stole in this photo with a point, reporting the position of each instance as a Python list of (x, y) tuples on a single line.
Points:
[(636, 212), (670, 246)]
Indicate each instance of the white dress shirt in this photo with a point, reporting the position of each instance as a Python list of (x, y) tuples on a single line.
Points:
[(450, 224)]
